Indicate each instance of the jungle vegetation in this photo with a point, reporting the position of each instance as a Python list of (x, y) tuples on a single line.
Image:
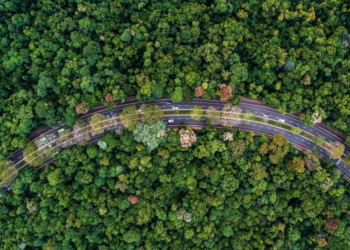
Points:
[(228, 190), (61, 58)]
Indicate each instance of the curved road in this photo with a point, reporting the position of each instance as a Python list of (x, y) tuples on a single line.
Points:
[(246, 104)]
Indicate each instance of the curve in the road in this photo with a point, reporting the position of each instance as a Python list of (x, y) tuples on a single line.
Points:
[(255, 106)]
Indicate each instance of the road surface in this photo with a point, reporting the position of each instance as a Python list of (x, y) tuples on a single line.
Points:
[(257, 107)]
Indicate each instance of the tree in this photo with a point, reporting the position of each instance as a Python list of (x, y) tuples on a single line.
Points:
[(196, 113), (132, 235), (289, 65), (151, 113), (225, 92), (133, 199), (199, 90), (318, 140), (213, 116), (55, 177), (8, 173), (33, 156), (82, 108), (96, 123), (187, 137), (45, 110), (230, 115), (296, 130), (278, 148), (150, 135), (177, 95), (126, 36), (347, 161), (129, 117), (332, 224), (102, 144), (336, 150), (298, 165)]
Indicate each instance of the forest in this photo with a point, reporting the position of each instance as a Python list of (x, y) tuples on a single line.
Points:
[(151, 187), (61, 58), (220, 189)]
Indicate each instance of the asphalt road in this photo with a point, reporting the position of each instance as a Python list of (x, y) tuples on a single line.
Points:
[(246, 104)]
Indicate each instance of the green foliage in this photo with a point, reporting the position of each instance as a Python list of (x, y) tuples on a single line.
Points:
[(318, 140), (196, 113), (8, 172), (132, 235), (150, 135), (129, 117), (96, 123), (126, 37), (347, 161), (177, 95), (337, 150), (151, 113), (296, 130), (184, 202), (289, 65), (295, 56), (102, 144)]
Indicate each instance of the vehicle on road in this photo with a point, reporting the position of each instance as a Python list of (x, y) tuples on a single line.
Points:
[(171, 120), (168, 103), (281, 120), (266, 116), (175, 107)]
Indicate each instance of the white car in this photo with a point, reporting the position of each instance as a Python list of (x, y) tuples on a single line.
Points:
[(139, 110), (171, 120), (175, 107), (60, 130), (266, 116), (281, 120)]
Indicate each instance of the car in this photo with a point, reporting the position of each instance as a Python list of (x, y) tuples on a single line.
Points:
[(140, 110), (266, 116), (60, 130), (168, 103), (42, 139), (175, 107), (281, 120), (171, 120)]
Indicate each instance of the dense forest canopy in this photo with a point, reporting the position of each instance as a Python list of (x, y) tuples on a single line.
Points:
[(61, 57), (228, 190)]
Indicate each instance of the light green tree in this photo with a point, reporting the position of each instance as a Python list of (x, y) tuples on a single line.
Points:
[(129, 117), (337, 150), (296, 130), (151, 113), (213, 115), (318, 140), (150, 135), (196, 113), (177, 95), (96, 123)]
